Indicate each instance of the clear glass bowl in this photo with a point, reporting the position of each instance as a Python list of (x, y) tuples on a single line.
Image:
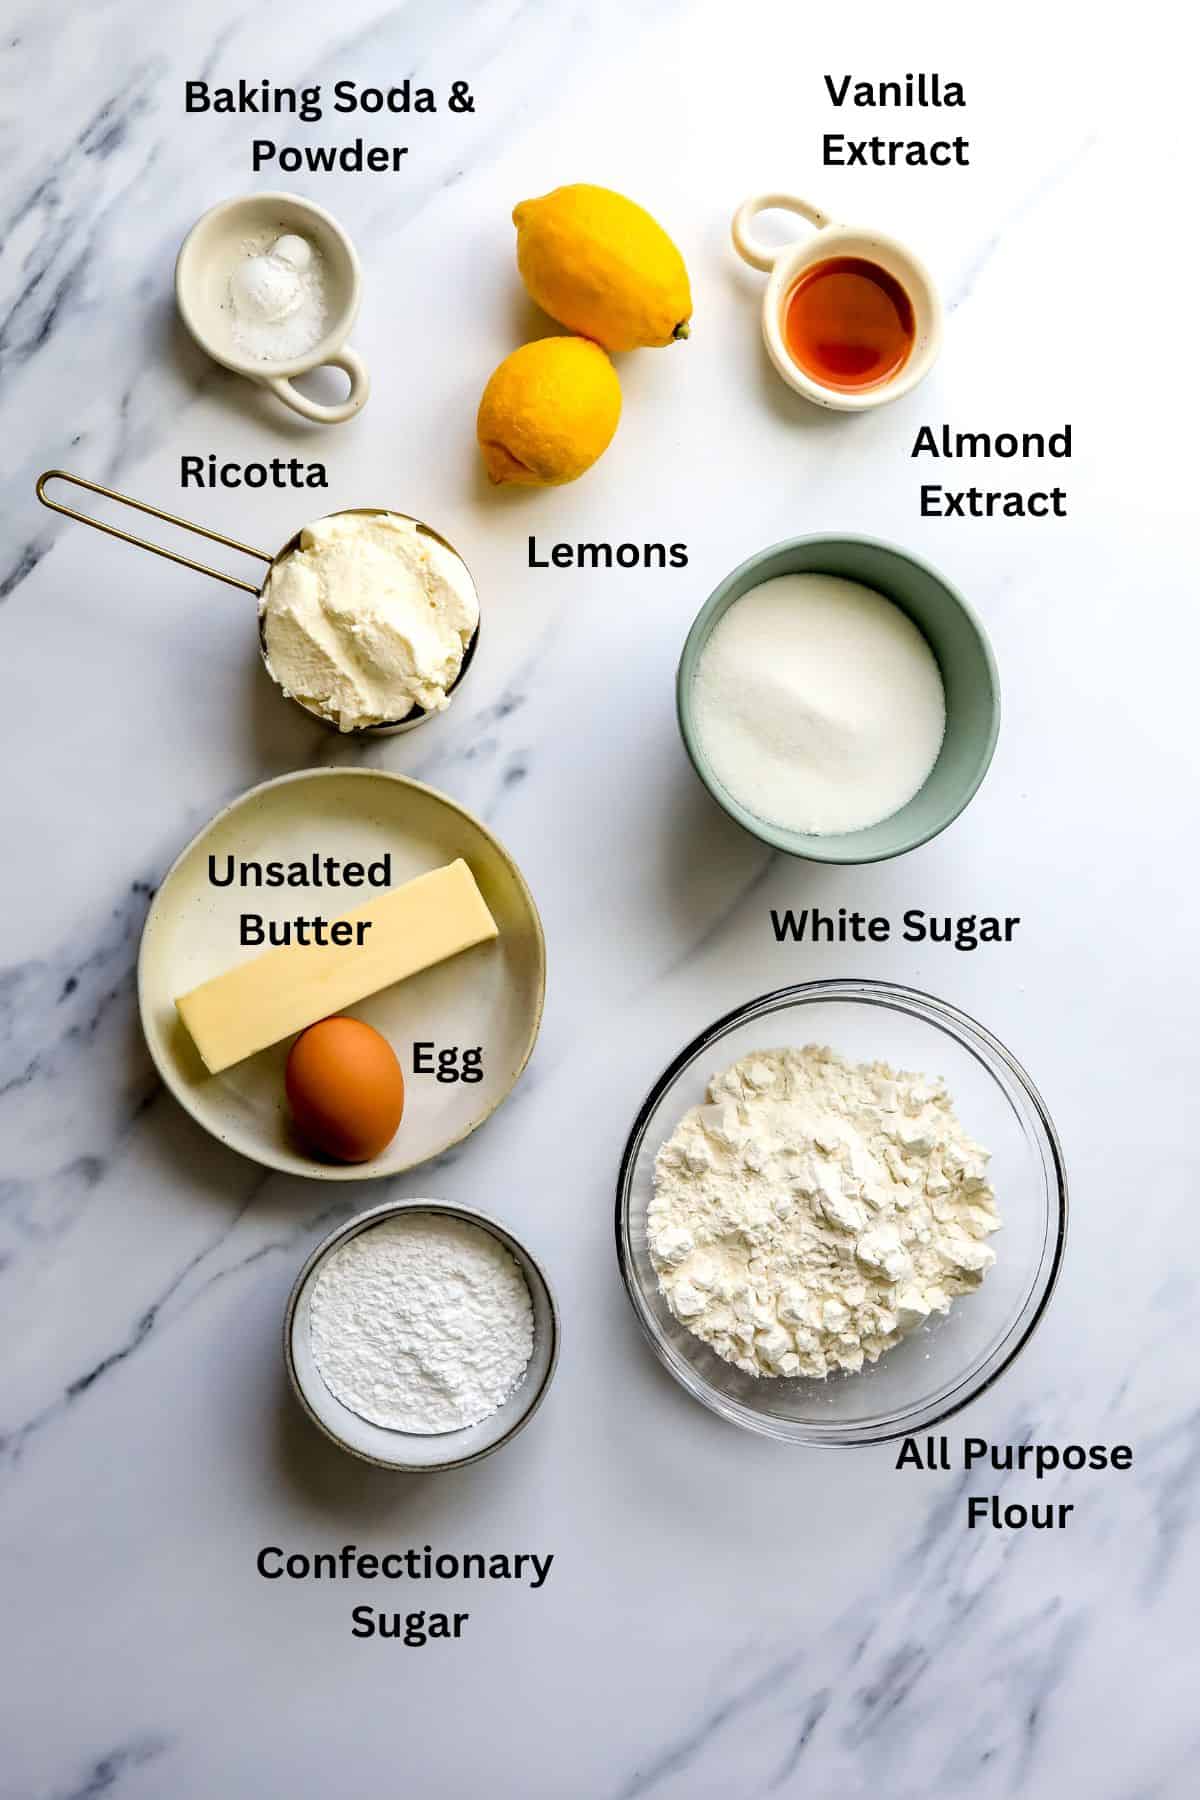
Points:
[(948, 1362)]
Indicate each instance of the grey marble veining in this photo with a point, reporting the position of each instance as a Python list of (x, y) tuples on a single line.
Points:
[(725, 1617)]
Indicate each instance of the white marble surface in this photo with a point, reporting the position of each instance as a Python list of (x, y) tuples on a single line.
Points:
[(725, 1616)]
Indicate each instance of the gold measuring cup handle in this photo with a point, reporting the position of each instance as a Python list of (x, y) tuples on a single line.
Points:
[(155, 512)]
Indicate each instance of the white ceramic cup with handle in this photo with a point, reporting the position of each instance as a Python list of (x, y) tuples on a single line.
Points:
[(212, 250), (786, 263)]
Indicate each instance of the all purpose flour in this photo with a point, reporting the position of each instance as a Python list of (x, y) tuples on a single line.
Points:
[(422, 1323), (816, 1210)]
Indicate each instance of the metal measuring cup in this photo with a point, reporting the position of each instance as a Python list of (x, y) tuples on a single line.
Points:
[(416, 715)]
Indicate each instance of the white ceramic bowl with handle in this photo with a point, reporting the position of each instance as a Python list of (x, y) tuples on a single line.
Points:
[(213, 248), (786, 263)]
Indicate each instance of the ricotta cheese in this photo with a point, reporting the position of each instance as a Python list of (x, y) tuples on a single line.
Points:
[(368, 618), (815, 1210)]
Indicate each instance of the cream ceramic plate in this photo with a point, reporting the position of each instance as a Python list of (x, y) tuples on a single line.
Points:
[(490, 996)]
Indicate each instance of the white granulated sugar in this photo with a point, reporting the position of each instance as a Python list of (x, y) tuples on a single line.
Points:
[(816, 1210), (422, 1323), (818, 704)]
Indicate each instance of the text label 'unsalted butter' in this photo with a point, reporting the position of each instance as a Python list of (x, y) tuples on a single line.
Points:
[(396, 935)]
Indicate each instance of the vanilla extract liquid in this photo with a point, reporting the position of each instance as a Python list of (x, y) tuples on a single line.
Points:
[(848, 324)]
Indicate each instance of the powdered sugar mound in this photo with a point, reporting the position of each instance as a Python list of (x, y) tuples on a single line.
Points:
[(422, 1323), (816, 1210)]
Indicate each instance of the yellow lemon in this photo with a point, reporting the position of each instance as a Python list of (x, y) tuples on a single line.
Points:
[(602, 266), (548, 412)]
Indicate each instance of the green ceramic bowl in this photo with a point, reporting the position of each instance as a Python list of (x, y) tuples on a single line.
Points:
[(964, 656)]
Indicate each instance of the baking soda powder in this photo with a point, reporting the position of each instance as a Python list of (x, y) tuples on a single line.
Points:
[(277, 298)]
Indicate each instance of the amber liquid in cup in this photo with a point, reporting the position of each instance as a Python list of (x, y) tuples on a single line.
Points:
[(848, 324)]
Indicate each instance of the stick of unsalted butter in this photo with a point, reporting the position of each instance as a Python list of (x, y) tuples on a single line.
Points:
[(284, 990)]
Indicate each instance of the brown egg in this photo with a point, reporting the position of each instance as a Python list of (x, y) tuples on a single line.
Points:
[(345, 1089)]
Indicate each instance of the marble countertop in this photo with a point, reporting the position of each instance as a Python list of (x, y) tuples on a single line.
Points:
[(726, 1616)]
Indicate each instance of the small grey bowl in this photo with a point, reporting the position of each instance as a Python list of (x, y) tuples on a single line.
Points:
[(413, 1452), (964, 656)]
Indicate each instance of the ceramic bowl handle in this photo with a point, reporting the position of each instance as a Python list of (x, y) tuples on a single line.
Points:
[(753, 250), (360, 386)]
